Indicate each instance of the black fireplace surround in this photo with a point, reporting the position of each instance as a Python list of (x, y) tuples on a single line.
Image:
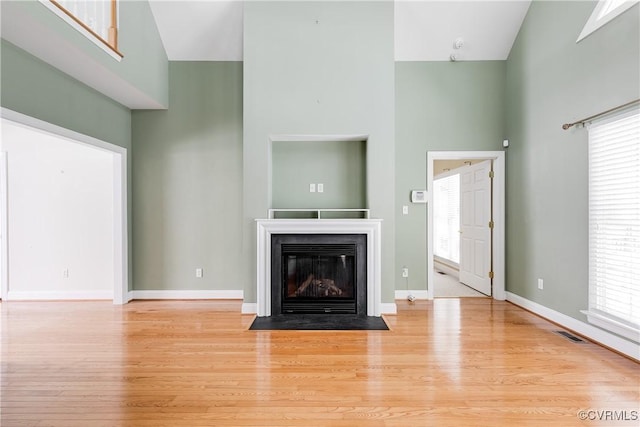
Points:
[(318, 274)]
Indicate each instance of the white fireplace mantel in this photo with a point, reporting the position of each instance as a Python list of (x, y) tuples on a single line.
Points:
[(370, 227)]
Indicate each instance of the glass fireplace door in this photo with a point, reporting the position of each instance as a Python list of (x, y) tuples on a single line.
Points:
[(318, 278)]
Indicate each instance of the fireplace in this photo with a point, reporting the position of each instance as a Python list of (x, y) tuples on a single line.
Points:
[(318, 273), (369, 229)]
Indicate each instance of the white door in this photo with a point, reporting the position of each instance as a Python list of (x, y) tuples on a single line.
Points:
[(475, 232)]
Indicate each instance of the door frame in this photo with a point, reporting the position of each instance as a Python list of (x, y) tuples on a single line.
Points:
[(120, 220), (4, 210), (498, 208)]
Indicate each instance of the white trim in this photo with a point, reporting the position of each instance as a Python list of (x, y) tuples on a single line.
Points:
[(388, 308), (371, 227), (598, 335), (385, 308), (187, 294), (318, 211), (120, 236), (594, 23), (318, 138), (58, 295), (249, 308), (66, 18), (120, 221), (4, 228), (417, 293), (609, 324), (499, 181)]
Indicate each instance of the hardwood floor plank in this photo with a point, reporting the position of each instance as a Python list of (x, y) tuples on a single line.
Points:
[(445, 363)]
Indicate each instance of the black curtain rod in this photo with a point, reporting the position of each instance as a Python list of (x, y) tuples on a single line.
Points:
[(568, 125)]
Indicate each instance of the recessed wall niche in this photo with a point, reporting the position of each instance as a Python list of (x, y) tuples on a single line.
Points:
[(339, 165)]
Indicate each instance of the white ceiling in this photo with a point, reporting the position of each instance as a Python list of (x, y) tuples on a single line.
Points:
[(211, 30), (204, 30), (427, 30)]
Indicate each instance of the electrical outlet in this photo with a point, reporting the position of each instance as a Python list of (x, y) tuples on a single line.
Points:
[(540, 284), (405, 272), (405, 210), (320, 188), (199, 273), (312, 188), (65, 273)]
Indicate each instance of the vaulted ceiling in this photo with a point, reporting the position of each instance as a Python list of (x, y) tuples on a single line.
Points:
[(212, 30)]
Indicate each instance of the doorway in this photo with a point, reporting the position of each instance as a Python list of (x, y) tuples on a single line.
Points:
[(461, 238), (485, 275), (23, 123)]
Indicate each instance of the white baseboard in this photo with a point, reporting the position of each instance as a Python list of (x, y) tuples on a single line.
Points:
[(187, 294), (388, 308), (419, 294), (597, 335), (58, 295), (249, 308)]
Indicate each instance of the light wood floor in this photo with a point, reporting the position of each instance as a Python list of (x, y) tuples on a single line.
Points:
[(450, 362)]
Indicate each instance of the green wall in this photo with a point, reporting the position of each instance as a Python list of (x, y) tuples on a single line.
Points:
[(144, 66), (202, 169), (440, 106), (187, 182), (551, 80), (339, 165), (319, 68), (34, 88)]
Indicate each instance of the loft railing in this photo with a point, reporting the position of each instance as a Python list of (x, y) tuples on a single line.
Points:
[(98, 17)]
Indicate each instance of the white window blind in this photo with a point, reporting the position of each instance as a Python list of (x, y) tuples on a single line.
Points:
[(614, 224), (446, 218)]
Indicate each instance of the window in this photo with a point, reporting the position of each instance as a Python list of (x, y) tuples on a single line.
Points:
[(614, 224), (604, 12), (96, 19), (609, 6), (446, 218)]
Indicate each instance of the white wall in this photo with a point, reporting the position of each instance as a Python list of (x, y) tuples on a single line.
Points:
[(60, 216)]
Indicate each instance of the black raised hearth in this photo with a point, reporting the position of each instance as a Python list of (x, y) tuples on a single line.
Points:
[(320, 274), (319, 322)]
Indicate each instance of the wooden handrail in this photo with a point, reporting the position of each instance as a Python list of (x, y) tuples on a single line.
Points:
[(113, 30)]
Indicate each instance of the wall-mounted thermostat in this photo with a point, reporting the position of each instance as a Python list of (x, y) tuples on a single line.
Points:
[(419, 196)]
